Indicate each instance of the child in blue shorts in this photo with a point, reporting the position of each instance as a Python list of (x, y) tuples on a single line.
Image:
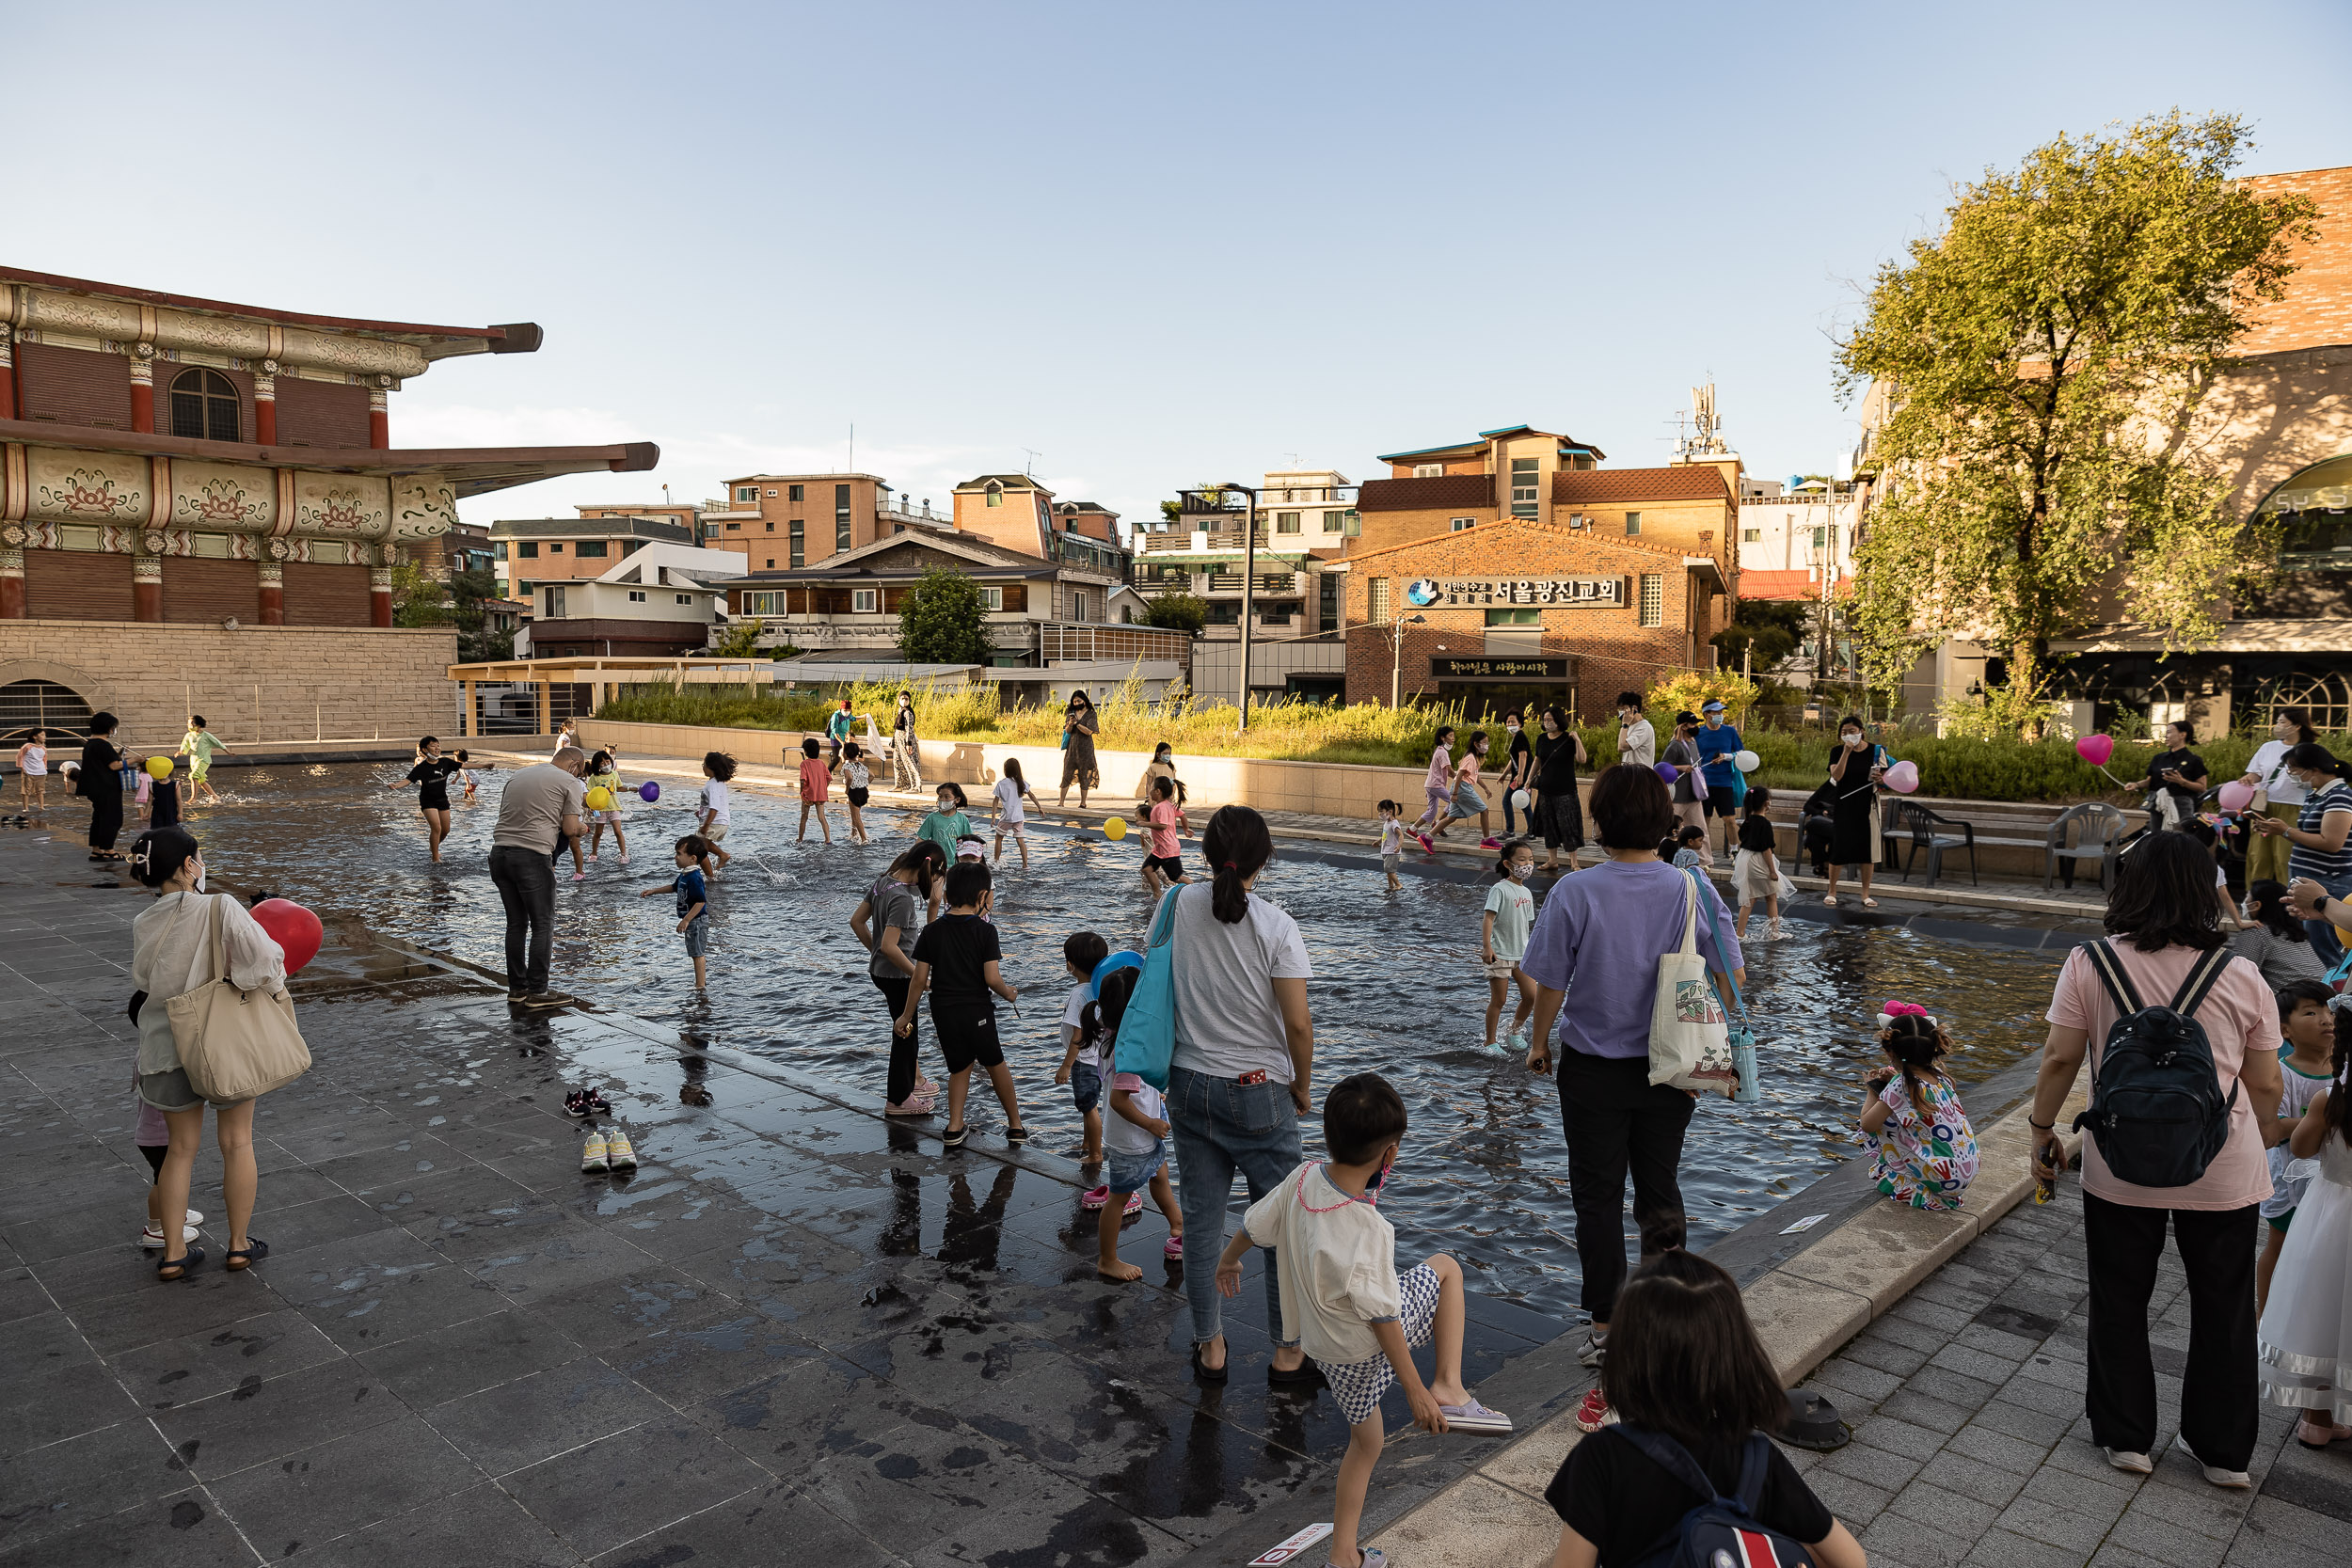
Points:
[(1081, 1056), (1135, 1135), (694, 900)]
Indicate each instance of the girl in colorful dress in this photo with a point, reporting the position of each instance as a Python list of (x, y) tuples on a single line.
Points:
[(1926, 1154), (2306, 1330)]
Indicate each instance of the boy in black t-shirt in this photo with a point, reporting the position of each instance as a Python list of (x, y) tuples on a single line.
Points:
[(956, 958), (431, 777)]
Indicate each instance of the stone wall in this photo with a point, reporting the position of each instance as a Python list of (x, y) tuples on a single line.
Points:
[(255, 684)]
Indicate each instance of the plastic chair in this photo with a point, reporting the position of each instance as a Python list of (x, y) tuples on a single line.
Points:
[(2098, 834), (1922, 824)]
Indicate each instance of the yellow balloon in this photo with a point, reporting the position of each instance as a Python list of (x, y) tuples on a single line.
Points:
[(159, 768), (599, 799), (1116, 828)]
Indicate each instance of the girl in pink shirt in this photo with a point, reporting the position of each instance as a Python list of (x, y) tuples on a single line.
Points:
[(1165, 863), (1439, 786)]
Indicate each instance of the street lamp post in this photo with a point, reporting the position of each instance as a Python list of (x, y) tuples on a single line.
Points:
[(1248, 589), (1396, 654)]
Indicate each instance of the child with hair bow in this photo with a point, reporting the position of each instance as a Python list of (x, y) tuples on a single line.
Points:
[(1925, 1153)]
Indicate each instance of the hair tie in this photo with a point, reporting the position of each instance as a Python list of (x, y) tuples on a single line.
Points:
[(1894, 1009), (1232, 865)]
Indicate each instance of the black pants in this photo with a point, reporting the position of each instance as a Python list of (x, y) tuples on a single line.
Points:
[(526, 884), (105, 814), (1561, 818), (2220, 1393), (904, 1049), (1617, 1121)]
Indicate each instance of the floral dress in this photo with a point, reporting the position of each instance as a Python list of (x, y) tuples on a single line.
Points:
[(1925, 1163)]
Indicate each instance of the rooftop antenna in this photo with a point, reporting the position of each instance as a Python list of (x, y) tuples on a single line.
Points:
[(1293, 457), (1030, 472), (852, 469)]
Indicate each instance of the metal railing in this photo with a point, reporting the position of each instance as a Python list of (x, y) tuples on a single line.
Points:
[(1081, 642), (1268, 582), (1220, 539)]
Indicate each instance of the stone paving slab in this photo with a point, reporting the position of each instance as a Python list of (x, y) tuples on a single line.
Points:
[(796, 1328)]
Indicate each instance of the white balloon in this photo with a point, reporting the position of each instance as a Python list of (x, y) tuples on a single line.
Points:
[(1747, 761), (1519, 799)]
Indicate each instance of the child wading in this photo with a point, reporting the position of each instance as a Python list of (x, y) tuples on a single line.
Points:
[(604, 772), (856, 781), (1695, 1391), (948, 824), (956, 958), (814, 777), (1926, 1153), (1469, 801), (1081, 1053), (1755, 870), (1503, 942), (1344, 1303), (2306, 1332), (1165, 862), (1392, 842), (1010, 819), (694, 902), (32, 772), (1136, 1136), (431, 777), (2306, 1066), (711, 806), (200, 746)]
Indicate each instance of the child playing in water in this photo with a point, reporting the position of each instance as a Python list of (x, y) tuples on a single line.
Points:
[(1469, 798), (856, 777), (815, 776), (1011, 818), (1164, 864), (1136, 1136), (469, 772), (948, 823), (1503, 942), (961, 949), (710, 807), (2305, 1062), (604, 772), (694, 902), (1392, 841), (1081, 1054), (1691, 848), (1926, 1155), (198, 746), (32, 772), (1755, 870)]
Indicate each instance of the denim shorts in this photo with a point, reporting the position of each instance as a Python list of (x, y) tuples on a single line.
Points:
[(697, 936), (1132, 1173), (1085, 1086)]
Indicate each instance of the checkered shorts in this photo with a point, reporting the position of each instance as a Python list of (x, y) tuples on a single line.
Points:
[(1359, 1384)]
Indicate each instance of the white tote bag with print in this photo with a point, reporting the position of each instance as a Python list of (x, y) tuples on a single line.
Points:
[(1690, 1040)]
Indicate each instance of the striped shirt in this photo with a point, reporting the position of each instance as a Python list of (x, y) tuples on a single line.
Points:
[(2333, 870)]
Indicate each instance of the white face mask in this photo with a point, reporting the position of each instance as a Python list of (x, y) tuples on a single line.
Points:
[(1852, 741), (1519, 870)]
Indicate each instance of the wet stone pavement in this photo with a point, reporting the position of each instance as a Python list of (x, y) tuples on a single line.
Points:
[(796, 1331)]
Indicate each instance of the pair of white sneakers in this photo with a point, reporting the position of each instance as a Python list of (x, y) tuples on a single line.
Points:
[(152, 1236), (607, 1152)]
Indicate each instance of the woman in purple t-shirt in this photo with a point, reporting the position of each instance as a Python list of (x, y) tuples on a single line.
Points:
[(1597, 944)]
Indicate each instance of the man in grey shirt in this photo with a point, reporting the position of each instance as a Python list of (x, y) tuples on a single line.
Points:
[(537, 809), (1637, 742)]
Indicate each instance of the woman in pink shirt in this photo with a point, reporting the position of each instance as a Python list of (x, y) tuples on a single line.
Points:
[(2164, 922)]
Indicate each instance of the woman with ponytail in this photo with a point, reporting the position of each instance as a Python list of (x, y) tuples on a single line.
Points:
[(885, 924), (1239, 1078), (2320, 839), (1926, 1151)]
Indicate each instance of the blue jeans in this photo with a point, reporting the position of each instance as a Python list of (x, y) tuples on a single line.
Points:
[(1222, 1126)]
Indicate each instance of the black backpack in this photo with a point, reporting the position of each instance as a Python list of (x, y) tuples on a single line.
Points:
[(1721, 1532), (2156, 1105)]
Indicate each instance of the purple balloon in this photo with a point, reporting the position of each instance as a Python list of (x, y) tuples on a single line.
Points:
[(1666, 771), (649, 791)]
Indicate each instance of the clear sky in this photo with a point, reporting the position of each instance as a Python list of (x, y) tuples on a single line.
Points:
[(1157, 243)]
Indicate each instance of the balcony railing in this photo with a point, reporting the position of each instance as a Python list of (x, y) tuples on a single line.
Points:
[(901, 510), (1086, 643), (1194, 541), (1268, 582)]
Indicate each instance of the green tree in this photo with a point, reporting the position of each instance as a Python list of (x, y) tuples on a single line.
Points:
[(1768, 630), (2067, 309), (739, 641), (940, 622), (1177, 611), (419, 600)]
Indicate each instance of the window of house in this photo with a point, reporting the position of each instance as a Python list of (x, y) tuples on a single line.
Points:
[(800, 555), (1633, 524), (592, 548), (763, 604), (1428, 470), (865, 601), (686, 598), (1524, 478), (996, 494), (500, 549), (555, 603), (528, 549), (734, 527), (840, 517), (204, 407), (771, 525), (1286, 522), (1514, 617), (1820, 538), (1334, 522), (610, 513), (1077, 606), (993, 598), (1354, 524), (794, 492), (1376, 597), (1653, 599), (772, 563), (555, 546), (636, 595), (1458, 524), (1751, 536), (747, 492)]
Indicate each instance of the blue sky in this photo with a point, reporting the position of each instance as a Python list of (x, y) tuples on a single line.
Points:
[(1155, 244)]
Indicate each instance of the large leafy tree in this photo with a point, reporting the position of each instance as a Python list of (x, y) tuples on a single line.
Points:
[(1177, 611), (2034, 357), (940, 621)]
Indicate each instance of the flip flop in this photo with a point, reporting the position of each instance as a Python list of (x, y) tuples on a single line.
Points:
[(254, 1250), (1474, 1416), (1868, 902), (1829, 898)]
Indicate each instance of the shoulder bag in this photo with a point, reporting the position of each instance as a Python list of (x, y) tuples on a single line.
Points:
[(235, 1044), (1147, 1034), (1690, 1044)]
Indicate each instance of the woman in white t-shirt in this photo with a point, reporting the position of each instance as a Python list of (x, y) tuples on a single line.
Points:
[(1239, 1079), (1010, 819), (2266, 770)]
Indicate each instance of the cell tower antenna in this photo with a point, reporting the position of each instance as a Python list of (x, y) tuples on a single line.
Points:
[(1030, 472)]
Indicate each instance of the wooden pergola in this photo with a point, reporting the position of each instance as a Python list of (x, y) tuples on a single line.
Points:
[(597, 674)]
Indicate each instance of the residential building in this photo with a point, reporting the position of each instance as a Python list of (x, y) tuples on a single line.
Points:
[(781, 522), (654, 601), (2276, 426), (533, 551), (212, 488), (1014, 512), (466, 547), (1792, 532)]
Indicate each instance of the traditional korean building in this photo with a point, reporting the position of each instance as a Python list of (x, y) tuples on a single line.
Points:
[(200, 495)]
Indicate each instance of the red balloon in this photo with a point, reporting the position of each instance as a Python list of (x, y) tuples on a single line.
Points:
[(292, 928)]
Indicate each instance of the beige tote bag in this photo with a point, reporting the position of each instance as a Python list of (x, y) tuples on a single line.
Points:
[(235, 1044), (1690, 1041)]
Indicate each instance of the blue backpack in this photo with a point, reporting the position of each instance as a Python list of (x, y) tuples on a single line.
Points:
[(1147, 1035), (1721, 1532), (2156, 1106)]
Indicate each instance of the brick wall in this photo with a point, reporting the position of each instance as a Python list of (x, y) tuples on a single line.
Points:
[(321, 414), (2317, 311), (318, 594), (1385, 529), (196, 590), (266, 683), (74, 385), (77, 585)]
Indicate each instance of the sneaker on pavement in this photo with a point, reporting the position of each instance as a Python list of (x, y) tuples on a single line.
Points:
[(575, 1103), (548, 999), (1593, 1352), (2138, 1464), (618, 1153), (152, 1237), (195, 1218), (1490, 842), (1096, 1199), (2237, 1481), (594, 1155), (1172, 1247), (1594, 1414), (1135, 1203)]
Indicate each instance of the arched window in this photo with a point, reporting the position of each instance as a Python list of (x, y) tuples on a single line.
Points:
[(204, 407), (996, 494)]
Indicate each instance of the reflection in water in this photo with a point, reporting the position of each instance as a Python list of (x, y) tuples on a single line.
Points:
[(1483, 1173)]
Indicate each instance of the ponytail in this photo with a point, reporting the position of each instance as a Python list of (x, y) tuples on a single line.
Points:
[(925, 860), (1916, 1043), (1237, 846), (2312, 754)]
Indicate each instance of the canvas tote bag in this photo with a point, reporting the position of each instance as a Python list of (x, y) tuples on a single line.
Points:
[(1690, 1042), (235, 1044)]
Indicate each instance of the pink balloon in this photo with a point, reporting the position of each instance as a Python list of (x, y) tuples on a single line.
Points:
[(2095, 749), (2236, 796), (1902, 778)]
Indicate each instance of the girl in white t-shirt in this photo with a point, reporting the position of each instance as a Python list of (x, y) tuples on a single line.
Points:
[(711, 806), (1510, 914), (1010, 819), (32, 772), (856, 781)]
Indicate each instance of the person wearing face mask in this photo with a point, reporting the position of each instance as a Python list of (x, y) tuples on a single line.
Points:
[(1855, 766), (2279, 793), (1682, 755), (171, 954), (1637, 741), (1717, 743), (1557, 810), (1518, 770), (2319, 852), (2176, 776)]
